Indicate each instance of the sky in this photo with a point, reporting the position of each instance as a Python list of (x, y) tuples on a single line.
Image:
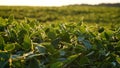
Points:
[(53, 2)]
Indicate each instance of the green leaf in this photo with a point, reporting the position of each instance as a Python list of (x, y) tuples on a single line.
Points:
[(55, 43), (118, 59), (27, 43), (106, 36), (26, 26), (57, 65), (118, 44), (2, 21), (50, 48), (71, 58), (34, 63), (2, 42), (13, 35), (83, 60), (3, 64), (47, 30), (80, 23), (98, 43), (51, 35), (2, 24), (87, 44), (9, 47), (5, 55), (36, 37), (65, 37), (83, 29), (21, 35), (41, 49), (10, 19)]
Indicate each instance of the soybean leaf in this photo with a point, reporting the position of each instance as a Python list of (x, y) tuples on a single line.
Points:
[(2, 42), (33, 63), (10, 19), (57, 65), (65, 37), (118, 44), (80, 22), (55, 43), (41, 49), (83, 60), (27, 43), (71, 59), (106, 36), (51, 35), (3, 64), (21, 35), (4, 57), (87, 44), (49, 48), (9, 47), (13, 35), (118, 59)]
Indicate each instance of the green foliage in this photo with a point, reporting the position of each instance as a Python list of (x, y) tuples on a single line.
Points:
[(2, 42), (9, 47), (4, 57), (26, 43), (31, 44), (91, 14)]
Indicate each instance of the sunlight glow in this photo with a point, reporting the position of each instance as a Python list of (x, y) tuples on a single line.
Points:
[(53, 2)]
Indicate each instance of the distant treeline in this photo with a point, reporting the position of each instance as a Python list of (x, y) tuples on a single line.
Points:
[(101, 4), (109, 4)]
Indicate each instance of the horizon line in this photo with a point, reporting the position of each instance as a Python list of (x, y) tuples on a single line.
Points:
[(56, 5)]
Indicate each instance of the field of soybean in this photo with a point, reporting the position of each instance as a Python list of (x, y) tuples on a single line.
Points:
[(74, 36)]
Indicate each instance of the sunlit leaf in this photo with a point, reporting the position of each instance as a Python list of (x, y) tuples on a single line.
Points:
[(57, 65), (10, 19), (118, 59), (27, 43), (9, 47), (71, 58)]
